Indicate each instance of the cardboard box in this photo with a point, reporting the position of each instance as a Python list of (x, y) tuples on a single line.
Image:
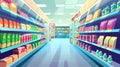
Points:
[(5, 62)]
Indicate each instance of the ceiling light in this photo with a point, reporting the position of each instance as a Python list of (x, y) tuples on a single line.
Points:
[(79, 5), (59, 14), (60, 5), (42, 5), (47, 13)]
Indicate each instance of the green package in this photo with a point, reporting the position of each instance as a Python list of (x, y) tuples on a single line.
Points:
[(8, 39), (3, 40)]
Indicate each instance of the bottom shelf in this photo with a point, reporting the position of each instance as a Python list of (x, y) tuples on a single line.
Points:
[(14, 64), (95, 58)]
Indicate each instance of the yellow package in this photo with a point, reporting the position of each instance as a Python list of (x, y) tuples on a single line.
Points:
[(97, 14), (100, 40), (112, 42), (106, 41)]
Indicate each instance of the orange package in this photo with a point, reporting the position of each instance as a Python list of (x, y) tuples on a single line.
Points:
[(13, 7), (5, 23), (14, 24), (10, 24), (5, 62), (1, 22), (14, 57)]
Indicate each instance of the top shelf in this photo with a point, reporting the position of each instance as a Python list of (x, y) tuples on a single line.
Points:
[(117, 12), (8, 12)]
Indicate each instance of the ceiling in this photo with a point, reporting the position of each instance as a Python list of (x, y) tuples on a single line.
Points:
[(60, 11)]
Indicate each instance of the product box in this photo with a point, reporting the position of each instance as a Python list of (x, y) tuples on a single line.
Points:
[(97, 14), (9, 40), (11, 24), (5, 62), (111, 23), (94, 38), (13, 39), (1, 22), (100, 40), (112, 42), (28, 47), (3, 40), (103, 25), (14, 57), (106, 41), (5, 21)]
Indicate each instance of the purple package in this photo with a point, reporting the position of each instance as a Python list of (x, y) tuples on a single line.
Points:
[(89, 48), (103, 25), (111, 23)]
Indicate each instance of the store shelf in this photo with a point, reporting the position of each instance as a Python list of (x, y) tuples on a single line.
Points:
[(18, 45), (14, 64), (19, 30), (94, 57), (101, 31), (112, 50), (8, 12), (117, 12)]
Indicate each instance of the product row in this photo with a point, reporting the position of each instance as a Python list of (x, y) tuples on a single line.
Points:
[(106, 41), (19, 52), (11, 39), (104, 25), (5, 23), (104, 56)]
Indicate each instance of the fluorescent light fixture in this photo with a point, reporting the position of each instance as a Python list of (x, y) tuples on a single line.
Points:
[(59, 13), (79, 5), (60, 5), (48, 13), (42, 5)]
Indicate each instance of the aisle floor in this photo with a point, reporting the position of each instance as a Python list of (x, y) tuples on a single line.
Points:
[(59, 53)]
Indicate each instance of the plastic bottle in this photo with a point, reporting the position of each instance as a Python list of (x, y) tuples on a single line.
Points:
[(105, 57), (113, 7), (97, 52), (109, 59), (107, 10), (118, 4), (103, 12), (100, 54)]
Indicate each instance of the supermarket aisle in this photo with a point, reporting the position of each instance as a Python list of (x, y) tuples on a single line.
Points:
[(59, 53)]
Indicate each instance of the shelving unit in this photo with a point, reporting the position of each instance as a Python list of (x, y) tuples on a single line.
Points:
[(26, 56), (105, 48), (18, 45), (97, 59)]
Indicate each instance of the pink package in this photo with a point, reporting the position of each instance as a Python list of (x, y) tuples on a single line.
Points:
[(103, 25), (111, 23)]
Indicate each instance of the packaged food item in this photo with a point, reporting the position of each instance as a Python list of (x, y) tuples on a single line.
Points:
[(103, 25), (4, 4), (28, 47), (100, 40), (10, 24), (112, 42), (1, 22), (105, 57), (13, 39), (5, 62), (89, 17), (8, 39), (13, 7), (103, 12), (5, 21), (111, 23), (14, 57), (106, 41), (107, 10), (113, 7), (3, 40), (97, 13)]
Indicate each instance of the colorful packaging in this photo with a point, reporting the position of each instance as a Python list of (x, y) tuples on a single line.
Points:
[(112, 42), (113, 7), (109, 59), (103, 25), (10, 24), (106, 41), (89, 17), (103, 12), (3, 40), (14, 57), (111, 23), (5, 21), (100, 40), (1, 22), (13, 7), (4, 4), (13, 39), (5, 62), (118, 5), (8, 39), (97, 14), (107, 10)]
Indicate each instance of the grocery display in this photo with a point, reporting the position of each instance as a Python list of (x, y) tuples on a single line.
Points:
[(50, 33)]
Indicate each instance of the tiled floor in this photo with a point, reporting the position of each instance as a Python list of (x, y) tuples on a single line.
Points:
[(59, 53)]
